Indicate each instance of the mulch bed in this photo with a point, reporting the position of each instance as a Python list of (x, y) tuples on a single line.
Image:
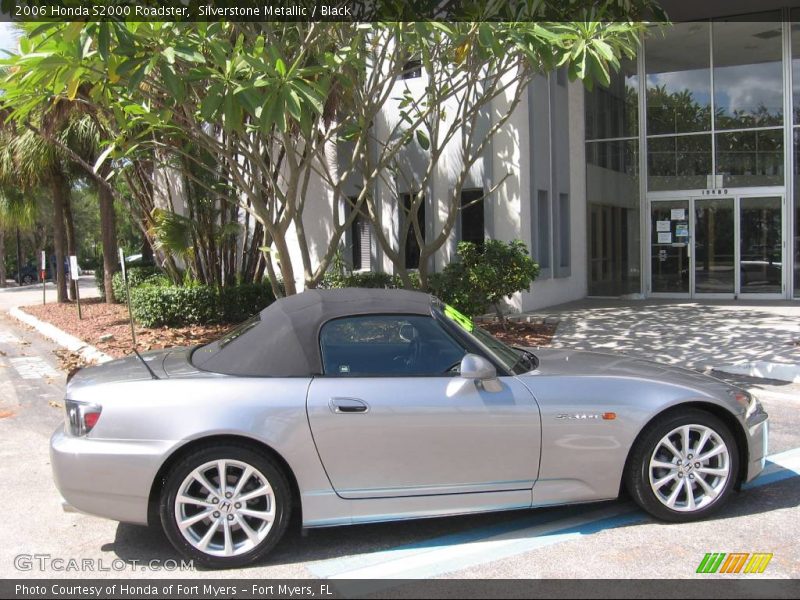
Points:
[(100, 319), (529, 335)]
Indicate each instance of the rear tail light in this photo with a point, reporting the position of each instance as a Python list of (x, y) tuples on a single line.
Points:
[(81, 417)]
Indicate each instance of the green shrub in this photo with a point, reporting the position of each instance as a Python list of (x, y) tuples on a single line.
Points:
[(159, 305), (137, 276), (484, 276), (239, 302)]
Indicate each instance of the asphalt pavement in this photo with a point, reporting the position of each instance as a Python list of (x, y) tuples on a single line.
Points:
[(606, 540)]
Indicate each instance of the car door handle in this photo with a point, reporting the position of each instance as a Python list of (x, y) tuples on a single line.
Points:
[(348, 405)]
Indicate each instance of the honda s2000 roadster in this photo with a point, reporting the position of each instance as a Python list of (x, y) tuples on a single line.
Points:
[(355, 406)]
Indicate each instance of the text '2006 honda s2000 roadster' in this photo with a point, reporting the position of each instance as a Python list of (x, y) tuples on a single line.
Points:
[(354, 406)]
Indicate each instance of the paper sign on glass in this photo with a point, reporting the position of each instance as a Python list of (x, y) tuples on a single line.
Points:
[(682, 230), (678, 214), (665, 238), (662, 225)]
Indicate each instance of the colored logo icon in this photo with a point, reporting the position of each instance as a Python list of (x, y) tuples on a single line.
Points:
[(734, 562)]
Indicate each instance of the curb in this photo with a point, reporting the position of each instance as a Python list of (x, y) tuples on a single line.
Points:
[(766, 370), (86, 351)]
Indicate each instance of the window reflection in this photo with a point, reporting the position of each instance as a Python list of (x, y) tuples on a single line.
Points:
[(678, 79), (748, 75), (751, 158), (612, 112), (678, 162)]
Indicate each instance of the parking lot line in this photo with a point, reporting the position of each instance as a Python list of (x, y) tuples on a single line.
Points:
[(444, 554)]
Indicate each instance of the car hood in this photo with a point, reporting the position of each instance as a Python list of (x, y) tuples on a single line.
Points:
[(129, 368), (581, 363)]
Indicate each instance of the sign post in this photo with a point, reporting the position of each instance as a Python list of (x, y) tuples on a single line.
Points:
[(43, 270), (73, 275), (127, 295)]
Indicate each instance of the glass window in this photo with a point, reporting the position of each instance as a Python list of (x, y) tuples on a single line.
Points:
[(360, 237), (761, 252), (388, 345), (677, 64), (543, 229), (796, 136), (412, 245), (612, 112), (750, 158), (564, 238), (678, 162), (612, 192), (472, 219), (748, 72)]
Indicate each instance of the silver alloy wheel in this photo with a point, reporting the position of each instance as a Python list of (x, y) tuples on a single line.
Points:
[(225, 508), (689, 468)]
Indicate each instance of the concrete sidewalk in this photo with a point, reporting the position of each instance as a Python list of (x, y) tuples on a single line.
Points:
[(753, 338)]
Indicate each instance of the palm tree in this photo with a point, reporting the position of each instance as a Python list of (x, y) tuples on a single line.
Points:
[(17, 211), (30, 162)]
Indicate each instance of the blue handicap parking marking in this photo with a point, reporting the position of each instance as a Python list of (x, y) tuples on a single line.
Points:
[(453, 552)]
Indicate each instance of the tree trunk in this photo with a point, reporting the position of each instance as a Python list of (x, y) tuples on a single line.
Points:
[(60, 189), (108, 229), (72, 249), (285, 263), (3, 258)]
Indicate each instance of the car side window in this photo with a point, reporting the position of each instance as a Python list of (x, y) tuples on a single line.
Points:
[(388, 345)]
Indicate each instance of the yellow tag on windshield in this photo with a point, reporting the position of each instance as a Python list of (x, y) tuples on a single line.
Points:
[(461, 319)]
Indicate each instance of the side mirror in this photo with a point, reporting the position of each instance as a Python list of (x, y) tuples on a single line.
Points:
[(481, 371)]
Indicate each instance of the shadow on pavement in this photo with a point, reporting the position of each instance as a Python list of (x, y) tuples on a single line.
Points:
[(143, 544)]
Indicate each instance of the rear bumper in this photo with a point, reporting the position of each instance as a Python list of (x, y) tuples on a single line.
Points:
[(757, 428), (106, 478)]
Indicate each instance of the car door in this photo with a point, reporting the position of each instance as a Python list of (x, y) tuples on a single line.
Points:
[(391, 416)]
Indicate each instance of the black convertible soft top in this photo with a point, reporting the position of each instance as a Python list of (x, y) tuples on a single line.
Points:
[(283, 339)]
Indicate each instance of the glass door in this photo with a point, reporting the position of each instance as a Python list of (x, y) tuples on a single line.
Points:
[(715, 247), (669, 248), (761, 247)]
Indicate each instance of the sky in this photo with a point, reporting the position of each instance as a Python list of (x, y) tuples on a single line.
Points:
[(8, 38)]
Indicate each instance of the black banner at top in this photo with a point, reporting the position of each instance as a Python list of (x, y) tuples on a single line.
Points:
[(330, 10)]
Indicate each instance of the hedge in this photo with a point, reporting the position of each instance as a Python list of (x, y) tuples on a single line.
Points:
[(137, 276), (159, 305)]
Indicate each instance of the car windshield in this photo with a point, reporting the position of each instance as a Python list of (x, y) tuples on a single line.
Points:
[(516, 361)]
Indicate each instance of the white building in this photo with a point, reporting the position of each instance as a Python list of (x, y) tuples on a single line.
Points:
[(677, 180)]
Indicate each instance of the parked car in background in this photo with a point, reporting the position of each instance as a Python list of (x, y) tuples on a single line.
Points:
[(27, 275)]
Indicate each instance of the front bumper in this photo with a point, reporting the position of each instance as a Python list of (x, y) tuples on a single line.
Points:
[(757, 430), (106, 478)]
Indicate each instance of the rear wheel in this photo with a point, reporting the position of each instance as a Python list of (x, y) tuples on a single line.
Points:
[(225, 506), (684, 466)]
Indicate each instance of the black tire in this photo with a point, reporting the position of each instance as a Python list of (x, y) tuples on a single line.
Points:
[(27, 280), (637, 476), (266, 466)]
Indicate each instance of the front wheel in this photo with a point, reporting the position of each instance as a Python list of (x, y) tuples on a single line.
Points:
[(225, 506), (684, 466)]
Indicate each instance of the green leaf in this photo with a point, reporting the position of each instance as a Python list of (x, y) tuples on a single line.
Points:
[(293, 104), (280, 67), (103, 40), (422, 139)]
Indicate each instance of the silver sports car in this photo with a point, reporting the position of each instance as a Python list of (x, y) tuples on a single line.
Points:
[(354, 406)]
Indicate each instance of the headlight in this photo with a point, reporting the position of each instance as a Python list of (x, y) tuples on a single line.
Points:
[(747, 401), (81, 417)]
